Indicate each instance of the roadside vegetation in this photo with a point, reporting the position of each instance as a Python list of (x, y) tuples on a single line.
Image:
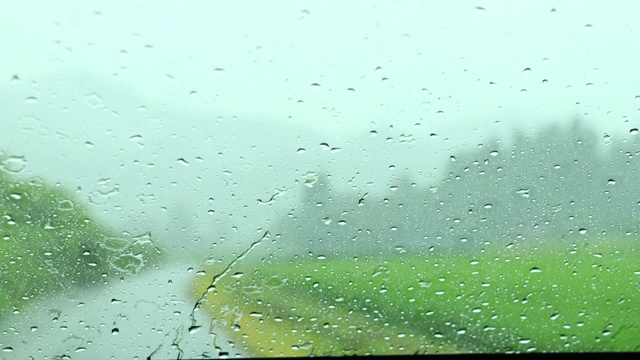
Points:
[(527, 245), (573, 299), (49, 243)]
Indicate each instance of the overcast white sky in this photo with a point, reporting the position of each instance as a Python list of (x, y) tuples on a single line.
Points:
[(229, 87), (272, 51)]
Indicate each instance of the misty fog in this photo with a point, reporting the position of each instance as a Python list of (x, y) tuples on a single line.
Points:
[(208, 125)]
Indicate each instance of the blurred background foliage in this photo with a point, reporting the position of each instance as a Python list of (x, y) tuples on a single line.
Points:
[(561, 183), (50, 243), (526, 245)]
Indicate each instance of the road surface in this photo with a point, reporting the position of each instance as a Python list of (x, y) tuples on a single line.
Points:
[(133, 317)]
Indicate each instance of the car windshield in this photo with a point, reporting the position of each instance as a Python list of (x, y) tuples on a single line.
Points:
[(256, 179)]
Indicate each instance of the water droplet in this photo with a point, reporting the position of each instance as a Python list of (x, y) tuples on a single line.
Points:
[(275, 282), (406, 138), (13, 164), (310, 179), (115, 244), (535, 270), (65, 205), (381, 270), (128, 263), (93, 100), (115, 331), (104, 192), (488, 206), (611, 182), (633, 131)]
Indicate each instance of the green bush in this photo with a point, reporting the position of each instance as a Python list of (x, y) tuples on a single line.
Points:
[(49, 243)]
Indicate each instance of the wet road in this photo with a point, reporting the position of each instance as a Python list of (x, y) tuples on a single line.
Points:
[(129, 318)]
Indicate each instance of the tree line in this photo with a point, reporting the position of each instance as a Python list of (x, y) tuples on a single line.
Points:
[(558, 185)]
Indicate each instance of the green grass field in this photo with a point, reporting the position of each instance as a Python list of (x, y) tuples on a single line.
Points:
[(564, 298)]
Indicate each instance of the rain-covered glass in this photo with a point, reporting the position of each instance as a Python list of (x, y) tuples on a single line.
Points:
[(259, 178)]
